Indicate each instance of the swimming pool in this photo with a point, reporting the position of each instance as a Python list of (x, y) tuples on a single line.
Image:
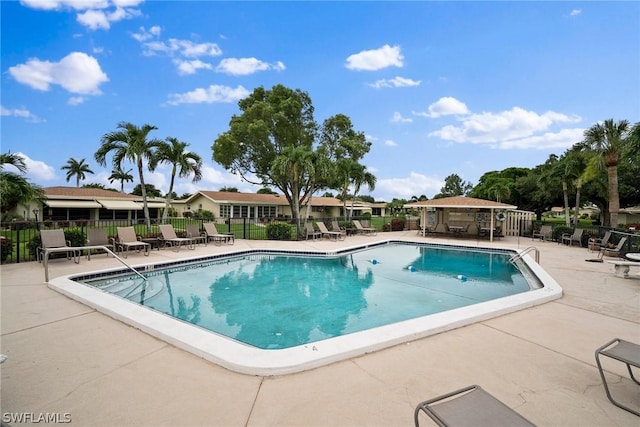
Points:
[(396, 292)]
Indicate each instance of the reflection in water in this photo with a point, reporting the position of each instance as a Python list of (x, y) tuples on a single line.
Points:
[(284, 299)]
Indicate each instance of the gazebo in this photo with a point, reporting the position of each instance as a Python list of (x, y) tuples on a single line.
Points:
[(461, 211)]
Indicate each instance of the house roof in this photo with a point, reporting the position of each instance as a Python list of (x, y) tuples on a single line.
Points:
[(262, 199), (85, 193), (459, 202)]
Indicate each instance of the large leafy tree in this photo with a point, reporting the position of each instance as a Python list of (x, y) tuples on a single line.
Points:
[(344, 148), (454, 186), (182, 161), (77, 168), (15, 189), (132, 143), (120, 175), (608, 139), (272, 124)]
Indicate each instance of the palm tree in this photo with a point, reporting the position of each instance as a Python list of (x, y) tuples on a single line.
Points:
[(14, 188), (182, 162), (607, 139), (130, 142), (360, 178), (119, 175), (76, 168)]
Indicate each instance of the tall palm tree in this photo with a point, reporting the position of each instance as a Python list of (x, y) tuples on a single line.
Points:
[(120, 175), (360, 178), (76, 168), (607, 139), (182, 161), (129, 142)]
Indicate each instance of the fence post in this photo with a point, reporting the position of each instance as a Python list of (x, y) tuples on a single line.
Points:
[(17, 224)]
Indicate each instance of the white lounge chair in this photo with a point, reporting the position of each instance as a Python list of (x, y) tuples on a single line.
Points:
[(194, 233), (127, 239), (171, 238), (363, 230), (98, 237), (311, 232), (217, 237), (54, 241), (329, 234)]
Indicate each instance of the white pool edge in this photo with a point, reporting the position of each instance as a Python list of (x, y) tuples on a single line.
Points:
[(246, 359)]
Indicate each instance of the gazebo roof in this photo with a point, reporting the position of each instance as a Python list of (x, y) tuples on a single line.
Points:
[(460, 202)]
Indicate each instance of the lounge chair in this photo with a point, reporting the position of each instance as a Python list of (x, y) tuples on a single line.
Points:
[(613, 252), (596, 244), (336, 227), (329, 234), (98, 237), (625, 352), (194, 233), (363, 230), (469, 406), (54, 241), (171, 239), (311, 232), (127, 239), (575, 237), (544, 233), (213, 234)]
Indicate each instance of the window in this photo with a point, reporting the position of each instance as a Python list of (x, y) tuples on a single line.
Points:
[(225, 211)]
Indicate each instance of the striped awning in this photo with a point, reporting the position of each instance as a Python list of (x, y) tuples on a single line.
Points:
[(72, 204), (154, 205)]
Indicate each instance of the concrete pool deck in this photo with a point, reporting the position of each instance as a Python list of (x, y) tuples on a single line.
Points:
[(66, 358)]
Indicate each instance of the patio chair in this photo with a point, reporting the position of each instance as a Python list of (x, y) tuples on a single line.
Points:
[(613, 252), (54, 241), (595, 243), (311, 232), (363, 230), (336, 227), (171, 239), (127, 239), (622, 351), (98, 237), (543, 234), (213, 234), (329, 234), (194, 233), (575, 237), (469, 406)]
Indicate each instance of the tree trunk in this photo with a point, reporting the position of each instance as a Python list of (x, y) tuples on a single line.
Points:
[(565, 194), (167, 204), (143, 189), (577, 214), (614, 197)]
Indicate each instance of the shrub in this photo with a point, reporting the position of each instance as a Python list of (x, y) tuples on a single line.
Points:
[(397, 224), (278, 231), (386, 227), (560, 230), (6, 248)]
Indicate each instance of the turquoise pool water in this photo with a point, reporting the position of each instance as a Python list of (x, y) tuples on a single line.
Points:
[(280, 301)]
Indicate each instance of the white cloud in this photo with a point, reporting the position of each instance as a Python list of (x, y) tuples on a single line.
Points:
[(76, 100), (185, 48), (246, 66), (504, 129), (94, 15), (210, 95), (22, 113), (376, 59), (565, 138), (191, 67), (145, 35), (395, 82), (415, 184), (76, 73), (37, 170), (576, 12), (397, 118), (390, 143), (444, 107)]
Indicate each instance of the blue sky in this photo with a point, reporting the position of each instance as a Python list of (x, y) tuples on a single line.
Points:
[(437, 87)]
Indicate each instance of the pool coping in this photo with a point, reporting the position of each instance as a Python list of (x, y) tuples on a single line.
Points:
[(246, 359)]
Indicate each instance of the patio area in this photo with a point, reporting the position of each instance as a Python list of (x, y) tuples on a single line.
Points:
[(66, 358)]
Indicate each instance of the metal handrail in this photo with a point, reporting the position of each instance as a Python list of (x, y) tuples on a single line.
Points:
[(78, 249), (522, 253)]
